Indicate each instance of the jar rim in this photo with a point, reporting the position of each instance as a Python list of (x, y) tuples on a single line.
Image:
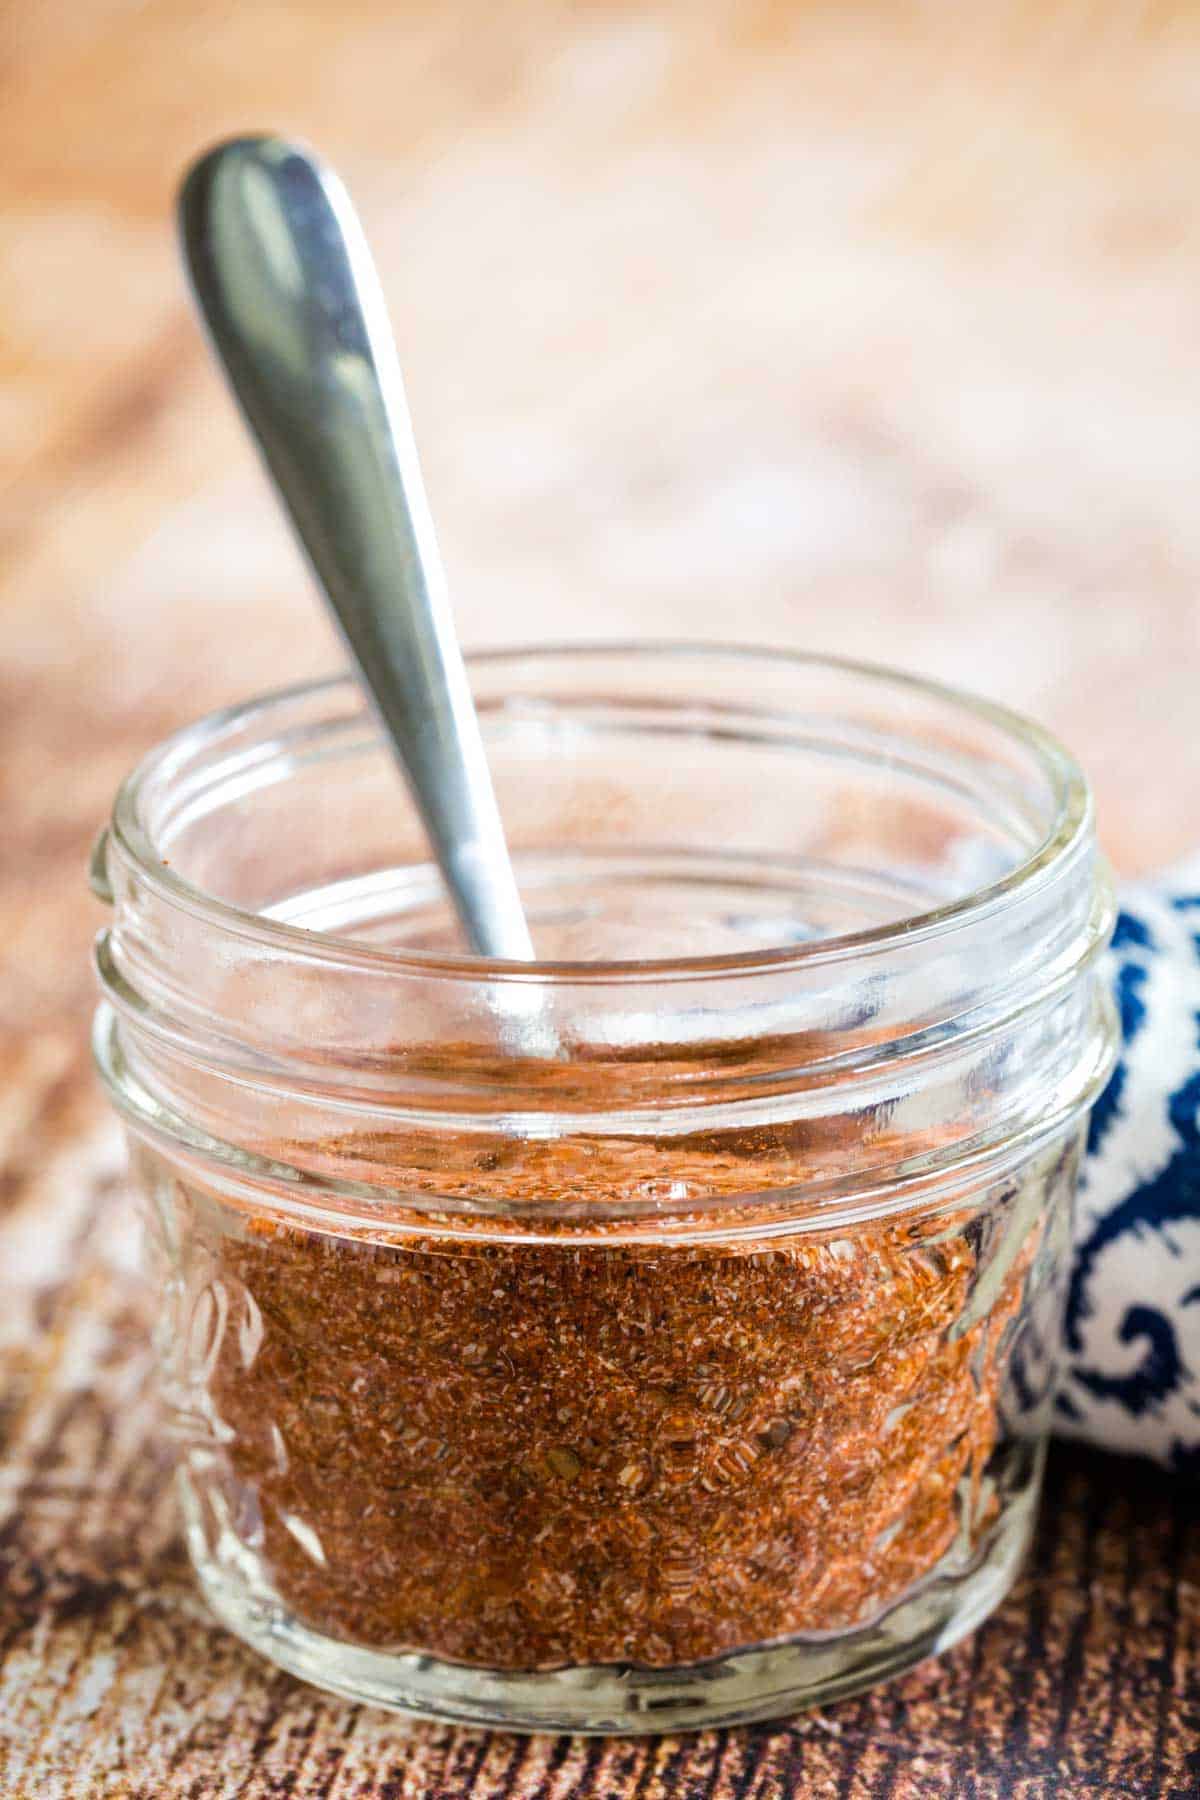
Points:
[(1070, 823)]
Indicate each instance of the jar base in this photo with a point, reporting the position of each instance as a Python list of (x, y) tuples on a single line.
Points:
[(739, 1689)]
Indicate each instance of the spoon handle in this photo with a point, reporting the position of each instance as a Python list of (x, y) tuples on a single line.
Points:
[(285, 281)]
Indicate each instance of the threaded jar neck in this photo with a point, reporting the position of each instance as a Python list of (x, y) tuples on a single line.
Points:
[(898, 888)]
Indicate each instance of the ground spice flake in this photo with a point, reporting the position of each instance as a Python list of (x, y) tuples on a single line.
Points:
[(522, 1455)]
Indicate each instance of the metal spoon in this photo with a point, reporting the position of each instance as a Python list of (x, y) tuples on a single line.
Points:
[(285, 281)]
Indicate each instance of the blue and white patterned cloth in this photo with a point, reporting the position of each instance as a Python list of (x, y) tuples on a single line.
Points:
[(1131, 1379)]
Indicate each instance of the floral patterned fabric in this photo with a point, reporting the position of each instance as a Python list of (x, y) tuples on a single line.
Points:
[(1131, 1379)]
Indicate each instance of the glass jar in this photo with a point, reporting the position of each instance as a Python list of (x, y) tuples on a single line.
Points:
[(662, 1335)]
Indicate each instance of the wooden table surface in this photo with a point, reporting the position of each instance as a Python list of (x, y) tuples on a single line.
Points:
[(863, 327)]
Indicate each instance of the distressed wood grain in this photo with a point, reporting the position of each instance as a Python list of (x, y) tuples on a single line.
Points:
[(868, 327)]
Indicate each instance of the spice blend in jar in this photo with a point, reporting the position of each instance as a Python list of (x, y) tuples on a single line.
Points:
[(529, 1456), (657, 1337)]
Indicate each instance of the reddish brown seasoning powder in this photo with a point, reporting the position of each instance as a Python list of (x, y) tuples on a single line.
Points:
[(526, 1455)]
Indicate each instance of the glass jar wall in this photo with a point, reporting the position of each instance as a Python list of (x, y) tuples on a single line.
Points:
[(662, 1334)]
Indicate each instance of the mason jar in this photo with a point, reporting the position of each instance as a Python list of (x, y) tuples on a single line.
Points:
[(662, 1334)]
